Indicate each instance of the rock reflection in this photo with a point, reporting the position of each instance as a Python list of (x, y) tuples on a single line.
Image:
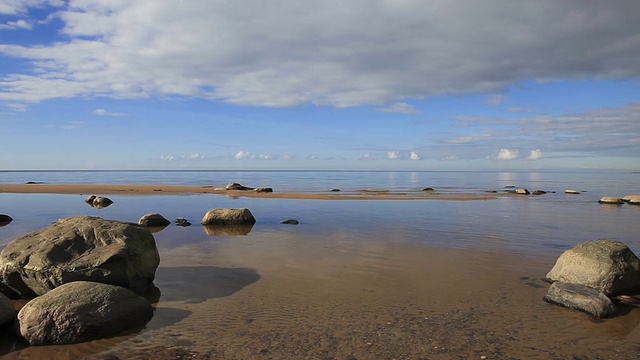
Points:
[(227, 230), (156, 229)]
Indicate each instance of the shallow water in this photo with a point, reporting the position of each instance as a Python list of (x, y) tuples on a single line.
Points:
[(358, 279)]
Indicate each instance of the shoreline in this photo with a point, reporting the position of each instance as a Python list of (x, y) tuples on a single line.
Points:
[(159, 189)]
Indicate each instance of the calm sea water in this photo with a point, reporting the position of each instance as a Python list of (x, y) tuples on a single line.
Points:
[(532, 225)]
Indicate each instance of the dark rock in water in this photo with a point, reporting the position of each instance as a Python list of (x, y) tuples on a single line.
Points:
[(82, 311), (539, 192), (509, 186), (180, 221), (89, 200), (522, 191), (101, 202), (581, 297), (5, 220), (335, 190), (491, 191), (290, 222), (79, 248), (236, 186), (153, 220), (607, 265), (428, 189), (34, 182), (263, 190), (228, 217), (7, 311), (227, 230)]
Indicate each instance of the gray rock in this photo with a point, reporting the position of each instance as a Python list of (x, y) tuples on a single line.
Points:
[(581, 297), (7, 310), (610, 200), (153, 220), (522, 191), (79, 248), (228, 217), (82, 311), (607, 265), (236, 186)]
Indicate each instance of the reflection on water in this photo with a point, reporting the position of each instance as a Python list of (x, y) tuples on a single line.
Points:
[(228, 230)]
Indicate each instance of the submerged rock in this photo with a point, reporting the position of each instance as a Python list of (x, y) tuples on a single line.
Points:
[(539, 192), (222, 216), (82, 311), (153, 220), (79, 248), (607, 265), (581, 297)]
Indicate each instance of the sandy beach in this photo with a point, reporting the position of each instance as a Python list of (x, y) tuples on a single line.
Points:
[(137, 189), (364, 293)]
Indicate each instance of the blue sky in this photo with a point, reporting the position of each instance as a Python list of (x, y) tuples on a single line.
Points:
[(287, 84)]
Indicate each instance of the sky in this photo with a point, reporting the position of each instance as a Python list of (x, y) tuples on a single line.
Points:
[(341, 85)]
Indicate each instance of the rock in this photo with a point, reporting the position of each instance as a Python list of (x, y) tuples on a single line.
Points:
[(610, 200), (82, 311), (7, 310), (79, 248), (634, 202), (101, 202), (228, 217), (236, 186), (180, 221), (89, 200), (572, 192), (539, 192), (428, 189), (263, 190), (607, 265), (581, 297), (335, 190), (522, 191), (630, 198), (290, 222), (153, 220), (5, 220)]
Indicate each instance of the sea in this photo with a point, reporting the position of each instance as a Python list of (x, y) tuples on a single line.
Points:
[(530, 225)]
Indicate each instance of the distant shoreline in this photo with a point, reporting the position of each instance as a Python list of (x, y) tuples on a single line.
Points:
[(138, 189)]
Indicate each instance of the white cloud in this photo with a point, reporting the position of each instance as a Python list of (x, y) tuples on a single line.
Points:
[(401, 108), (194, 156), (495, 99), (506, 154), (346, 55), (392, 155), (17, 107), (414, 156), (535, 154), (265, 157), (243, 155), (167, 157), (103, 112)]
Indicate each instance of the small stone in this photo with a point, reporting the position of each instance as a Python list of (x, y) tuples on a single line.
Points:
[(610, 200), (522, 191), (290, 222), (572, 192), (428, 189)]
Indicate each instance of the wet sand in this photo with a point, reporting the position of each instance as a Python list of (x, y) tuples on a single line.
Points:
[(287, 297), (137, 189)]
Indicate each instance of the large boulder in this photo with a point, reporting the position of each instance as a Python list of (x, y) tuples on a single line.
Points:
[(79, 248), (607, 265), (228, 217), (153, 220), (7, 310), (82, 311), (5, 219), (581, 297)]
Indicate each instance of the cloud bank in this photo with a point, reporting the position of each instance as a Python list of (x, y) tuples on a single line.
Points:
[(286, 53)]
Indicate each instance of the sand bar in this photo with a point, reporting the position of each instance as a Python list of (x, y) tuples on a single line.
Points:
[(139, 189)]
